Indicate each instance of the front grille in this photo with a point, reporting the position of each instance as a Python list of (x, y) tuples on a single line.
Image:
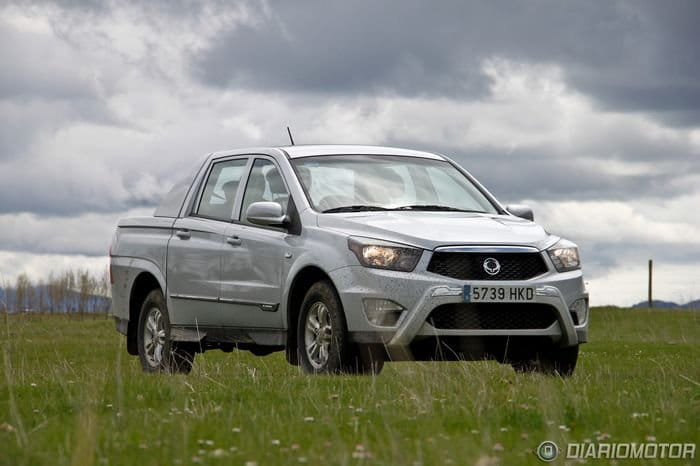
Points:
[(470, 265), (492, 316)]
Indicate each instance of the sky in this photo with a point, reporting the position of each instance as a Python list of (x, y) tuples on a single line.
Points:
[(589, 112)]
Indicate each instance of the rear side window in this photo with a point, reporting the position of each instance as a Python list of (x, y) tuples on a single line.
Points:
[(220, 191)]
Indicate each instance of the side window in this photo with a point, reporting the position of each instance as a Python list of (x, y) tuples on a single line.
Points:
[(220, 191), (264, 184)]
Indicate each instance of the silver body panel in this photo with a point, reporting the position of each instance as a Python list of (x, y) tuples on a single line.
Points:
[(210, 282), (193, 272)]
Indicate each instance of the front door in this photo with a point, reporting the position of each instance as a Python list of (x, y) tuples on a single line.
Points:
[(258, 258)]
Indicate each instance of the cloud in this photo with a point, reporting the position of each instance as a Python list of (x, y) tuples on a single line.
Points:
[(39, 266), (531, 137), (41, 68), (618, 219), (616, 237), (587, 112), (655, 68), (626, 284), (85, 235), (43, 86), (629, 55), (140, 97)]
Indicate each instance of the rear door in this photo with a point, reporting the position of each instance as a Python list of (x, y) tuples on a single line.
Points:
[(196, 247)]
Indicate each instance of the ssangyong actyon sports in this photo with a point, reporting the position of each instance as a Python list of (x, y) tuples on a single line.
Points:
[(345, 257)]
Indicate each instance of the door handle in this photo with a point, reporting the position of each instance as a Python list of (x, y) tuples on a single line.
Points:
[(234, 240), (183, 234)]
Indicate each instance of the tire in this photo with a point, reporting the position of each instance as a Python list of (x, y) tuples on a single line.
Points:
[(156, 352), (554, 361), (323, 346)]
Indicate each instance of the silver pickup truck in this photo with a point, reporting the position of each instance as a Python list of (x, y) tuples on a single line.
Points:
[(344, 257)]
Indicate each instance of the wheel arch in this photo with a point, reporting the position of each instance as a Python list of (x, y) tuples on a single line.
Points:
[(302, 281)]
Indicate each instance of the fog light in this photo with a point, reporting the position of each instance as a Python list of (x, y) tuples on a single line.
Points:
[(382, 312), (580, 309)]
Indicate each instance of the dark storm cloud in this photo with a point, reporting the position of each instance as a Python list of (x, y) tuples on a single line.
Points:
[(543, 178), (342, 48), (628, 55), (48, 193), (543, 173), (81, 7), (42, 88), (36, 70)]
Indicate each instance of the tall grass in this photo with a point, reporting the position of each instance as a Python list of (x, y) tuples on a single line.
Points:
[(69, 394)]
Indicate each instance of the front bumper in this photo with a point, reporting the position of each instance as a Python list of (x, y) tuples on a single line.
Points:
[(420, 292)]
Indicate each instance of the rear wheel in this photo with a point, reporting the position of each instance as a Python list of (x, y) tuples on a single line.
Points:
[(156, 352), (553, 361), (322, 338)]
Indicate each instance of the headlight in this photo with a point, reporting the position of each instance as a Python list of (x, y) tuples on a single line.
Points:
[(564, 255), (383, 255)]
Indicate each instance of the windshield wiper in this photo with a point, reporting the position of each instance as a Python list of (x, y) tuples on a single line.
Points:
[(354, 208), (435, 207), (418, 207)]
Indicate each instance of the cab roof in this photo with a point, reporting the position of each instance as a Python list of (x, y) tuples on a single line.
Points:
[(300, 151), (332, 149)]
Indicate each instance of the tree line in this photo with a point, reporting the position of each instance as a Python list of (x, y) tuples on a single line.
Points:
[(69, 291)]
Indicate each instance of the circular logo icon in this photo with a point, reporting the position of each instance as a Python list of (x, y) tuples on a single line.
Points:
[(492, 266), (548, 451)]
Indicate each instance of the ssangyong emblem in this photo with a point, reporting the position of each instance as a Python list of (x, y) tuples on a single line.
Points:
[(492, 266)]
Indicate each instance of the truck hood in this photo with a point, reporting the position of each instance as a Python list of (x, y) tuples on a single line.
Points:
[(429, 230)]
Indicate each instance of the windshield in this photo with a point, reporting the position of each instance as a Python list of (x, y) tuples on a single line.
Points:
[(380, 182)]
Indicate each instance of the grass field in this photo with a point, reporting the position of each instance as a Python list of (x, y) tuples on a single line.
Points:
[(70, 394)]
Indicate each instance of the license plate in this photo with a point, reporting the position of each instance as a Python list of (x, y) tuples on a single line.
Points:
[(495, 294)]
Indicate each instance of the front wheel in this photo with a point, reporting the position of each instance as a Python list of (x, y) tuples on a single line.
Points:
[(553, 361), (156, 352), (322, 337)]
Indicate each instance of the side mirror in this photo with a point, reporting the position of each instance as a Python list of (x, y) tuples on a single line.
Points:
[(521, 211), (268, 214)]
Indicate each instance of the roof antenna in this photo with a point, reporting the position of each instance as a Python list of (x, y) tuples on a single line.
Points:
[(290, 135)]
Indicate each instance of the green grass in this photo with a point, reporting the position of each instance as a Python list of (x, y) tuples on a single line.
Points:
[(70, 394)]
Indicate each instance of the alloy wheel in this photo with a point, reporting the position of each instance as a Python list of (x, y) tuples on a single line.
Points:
[(154, 337), (318, 335)]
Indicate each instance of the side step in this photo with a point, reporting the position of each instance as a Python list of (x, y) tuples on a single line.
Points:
[(186, 334)]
